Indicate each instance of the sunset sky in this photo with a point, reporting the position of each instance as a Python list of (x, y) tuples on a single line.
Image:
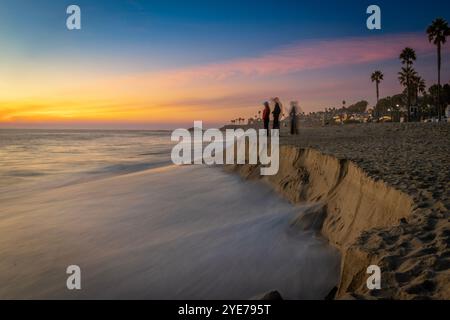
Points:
[(163, 64)]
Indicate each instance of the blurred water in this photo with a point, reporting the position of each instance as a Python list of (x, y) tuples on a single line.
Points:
[(26, 154), (191, 232)]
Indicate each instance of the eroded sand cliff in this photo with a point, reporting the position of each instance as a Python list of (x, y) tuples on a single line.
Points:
[(368, 220)]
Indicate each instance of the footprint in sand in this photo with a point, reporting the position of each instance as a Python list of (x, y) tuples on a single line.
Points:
[(442, 265), (427, 237), (426, 285)]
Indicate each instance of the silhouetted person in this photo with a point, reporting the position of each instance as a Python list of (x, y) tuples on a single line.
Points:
[(276, 114), (293, 115), (266, 116)]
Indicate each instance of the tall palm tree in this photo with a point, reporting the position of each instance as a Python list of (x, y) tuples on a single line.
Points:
[(377, 77), (437, 34), (405, 77), (408, 56)]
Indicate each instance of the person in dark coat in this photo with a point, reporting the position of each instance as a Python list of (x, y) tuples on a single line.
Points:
[(276, 113), (266, 116), (293, 116)]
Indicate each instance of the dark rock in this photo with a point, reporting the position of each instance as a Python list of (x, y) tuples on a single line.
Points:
[(332, 294), (272, 295)]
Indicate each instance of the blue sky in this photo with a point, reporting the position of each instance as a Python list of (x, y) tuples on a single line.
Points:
[(186, 32), (149, 39)]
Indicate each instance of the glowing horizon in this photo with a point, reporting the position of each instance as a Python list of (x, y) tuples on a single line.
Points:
[(95, 89)]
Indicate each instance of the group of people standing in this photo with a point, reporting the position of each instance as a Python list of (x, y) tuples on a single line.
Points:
[(277, 112)]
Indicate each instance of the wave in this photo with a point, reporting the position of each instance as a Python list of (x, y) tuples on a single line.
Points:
[(188, 232), (124, 168)]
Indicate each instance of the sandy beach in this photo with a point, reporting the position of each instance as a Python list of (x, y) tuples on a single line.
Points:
[(385, 192), (379, 193)]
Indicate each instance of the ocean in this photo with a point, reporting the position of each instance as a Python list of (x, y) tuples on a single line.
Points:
[(63, 155), (112, 203)]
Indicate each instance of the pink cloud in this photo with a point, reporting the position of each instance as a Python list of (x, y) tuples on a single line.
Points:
[(307, 56)]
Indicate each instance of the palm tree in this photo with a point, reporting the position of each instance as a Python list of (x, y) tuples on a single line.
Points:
[(405, 77), (377, 77), (437, 34), (419, 86), (408, 56)]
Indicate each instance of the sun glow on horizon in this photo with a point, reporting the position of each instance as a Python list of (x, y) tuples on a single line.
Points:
[(213, 92)]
